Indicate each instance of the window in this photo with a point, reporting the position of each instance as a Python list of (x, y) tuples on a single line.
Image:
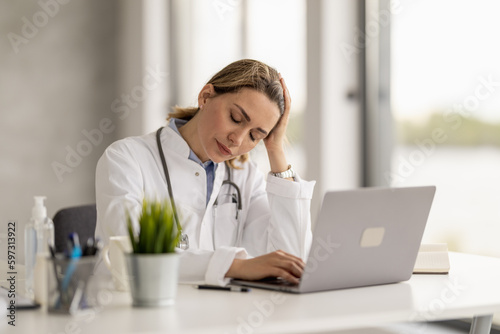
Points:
[(445, 98), (276, 35)]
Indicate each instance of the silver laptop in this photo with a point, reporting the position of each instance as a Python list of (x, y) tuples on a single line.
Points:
[(367, 236)]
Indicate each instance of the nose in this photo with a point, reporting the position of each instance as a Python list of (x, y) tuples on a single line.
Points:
[(236, 137)]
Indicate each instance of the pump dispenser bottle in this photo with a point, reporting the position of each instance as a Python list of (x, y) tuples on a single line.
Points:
[(39, 235)]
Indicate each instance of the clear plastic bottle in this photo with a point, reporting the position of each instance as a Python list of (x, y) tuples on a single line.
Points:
[(38, 236)]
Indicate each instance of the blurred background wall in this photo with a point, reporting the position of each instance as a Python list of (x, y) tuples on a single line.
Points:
[(58, 76)]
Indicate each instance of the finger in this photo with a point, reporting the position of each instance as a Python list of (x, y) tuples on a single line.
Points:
[(290, 265), (294, 272), (297, 262), (292, 257), (301, 264), (285, 275), (291, 278), (286, 92), (295, 269)]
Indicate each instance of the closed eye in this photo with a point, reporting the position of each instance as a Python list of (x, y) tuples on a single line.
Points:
[(234, 120), (252, 137)]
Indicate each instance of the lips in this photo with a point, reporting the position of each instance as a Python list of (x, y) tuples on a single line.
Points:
[(223, 149)]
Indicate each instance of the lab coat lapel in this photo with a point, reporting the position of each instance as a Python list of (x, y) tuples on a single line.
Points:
[(206, 237)]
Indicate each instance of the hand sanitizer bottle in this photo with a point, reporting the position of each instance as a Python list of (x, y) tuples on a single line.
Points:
[(39, 235)]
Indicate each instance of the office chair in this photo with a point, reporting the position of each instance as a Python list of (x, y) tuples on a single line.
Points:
[(80, 219)]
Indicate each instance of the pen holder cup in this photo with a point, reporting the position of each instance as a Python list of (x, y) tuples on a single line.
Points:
[(69, 288)]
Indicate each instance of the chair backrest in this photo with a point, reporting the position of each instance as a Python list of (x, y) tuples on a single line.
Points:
[(80, 219)]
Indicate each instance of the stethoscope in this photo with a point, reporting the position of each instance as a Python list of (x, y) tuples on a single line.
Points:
[(233, 198)]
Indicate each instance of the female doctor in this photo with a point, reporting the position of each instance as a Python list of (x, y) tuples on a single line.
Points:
[(237, 224)]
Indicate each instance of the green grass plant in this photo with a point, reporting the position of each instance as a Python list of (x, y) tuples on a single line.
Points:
[(157, 229)]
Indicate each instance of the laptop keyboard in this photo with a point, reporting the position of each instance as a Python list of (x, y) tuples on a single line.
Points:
[(277, 281)]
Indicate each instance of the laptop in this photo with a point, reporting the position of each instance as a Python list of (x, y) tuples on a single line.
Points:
[(363, 237)]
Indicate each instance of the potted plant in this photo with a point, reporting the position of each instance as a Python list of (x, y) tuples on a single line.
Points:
[(153, 264)]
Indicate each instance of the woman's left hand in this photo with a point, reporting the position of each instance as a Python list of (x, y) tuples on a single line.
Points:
[(274, 141)]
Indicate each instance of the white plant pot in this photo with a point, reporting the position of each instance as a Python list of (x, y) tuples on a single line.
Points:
[(153, 278)]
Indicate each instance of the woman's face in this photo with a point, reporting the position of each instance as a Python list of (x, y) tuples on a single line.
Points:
[(232, 124)]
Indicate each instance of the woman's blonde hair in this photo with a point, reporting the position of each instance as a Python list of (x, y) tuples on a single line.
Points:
[(245, 73)]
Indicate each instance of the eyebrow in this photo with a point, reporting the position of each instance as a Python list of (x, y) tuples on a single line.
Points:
[(248, 118)]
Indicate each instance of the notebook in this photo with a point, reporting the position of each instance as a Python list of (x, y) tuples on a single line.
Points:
[(366, 236), (432, 259)]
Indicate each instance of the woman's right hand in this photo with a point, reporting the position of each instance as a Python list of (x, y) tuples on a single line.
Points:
[(275, 264)]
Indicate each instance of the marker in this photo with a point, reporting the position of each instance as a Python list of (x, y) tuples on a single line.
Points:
[(223, 288)]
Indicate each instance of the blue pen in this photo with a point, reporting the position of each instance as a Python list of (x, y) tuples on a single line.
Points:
[(75, 254)]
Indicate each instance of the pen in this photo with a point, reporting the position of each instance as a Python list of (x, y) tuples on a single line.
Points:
[(223, 288), (75, 254)]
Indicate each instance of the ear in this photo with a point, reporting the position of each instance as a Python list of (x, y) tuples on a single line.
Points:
[(206, 92)]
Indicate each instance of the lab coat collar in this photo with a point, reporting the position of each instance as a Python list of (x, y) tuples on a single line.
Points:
[(173, 141)]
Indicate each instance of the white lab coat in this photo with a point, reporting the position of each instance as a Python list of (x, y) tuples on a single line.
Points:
[(275, 215)]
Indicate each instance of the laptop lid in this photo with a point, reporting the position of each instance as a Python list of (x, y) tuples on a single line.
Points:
[(363, 237), (367, 236)]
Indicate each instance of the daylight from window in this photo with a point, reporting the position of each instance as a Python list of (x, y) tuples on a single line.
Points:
[(445, 88)]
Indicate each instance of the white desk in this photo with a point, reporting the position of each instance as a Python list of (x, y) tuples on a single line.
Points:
[(471, 289)]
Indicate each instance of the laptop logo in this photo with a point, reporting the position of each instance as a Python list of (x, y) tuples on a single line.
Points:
[(372, 237)]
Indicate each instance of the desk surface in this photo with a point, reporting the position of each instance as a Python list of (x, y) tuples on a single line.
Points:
[(471, 288)]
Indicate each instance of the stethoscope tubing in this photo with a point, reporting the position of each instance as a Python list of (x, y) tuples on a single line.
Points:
[(183, 237)]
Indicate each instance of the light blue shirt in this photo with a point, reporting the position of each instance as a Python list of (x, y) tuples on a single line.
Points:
[(209, 166)]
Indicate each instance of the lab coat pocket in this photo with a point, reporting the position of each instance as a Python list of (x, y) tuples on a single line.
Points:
[(225, 225)]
